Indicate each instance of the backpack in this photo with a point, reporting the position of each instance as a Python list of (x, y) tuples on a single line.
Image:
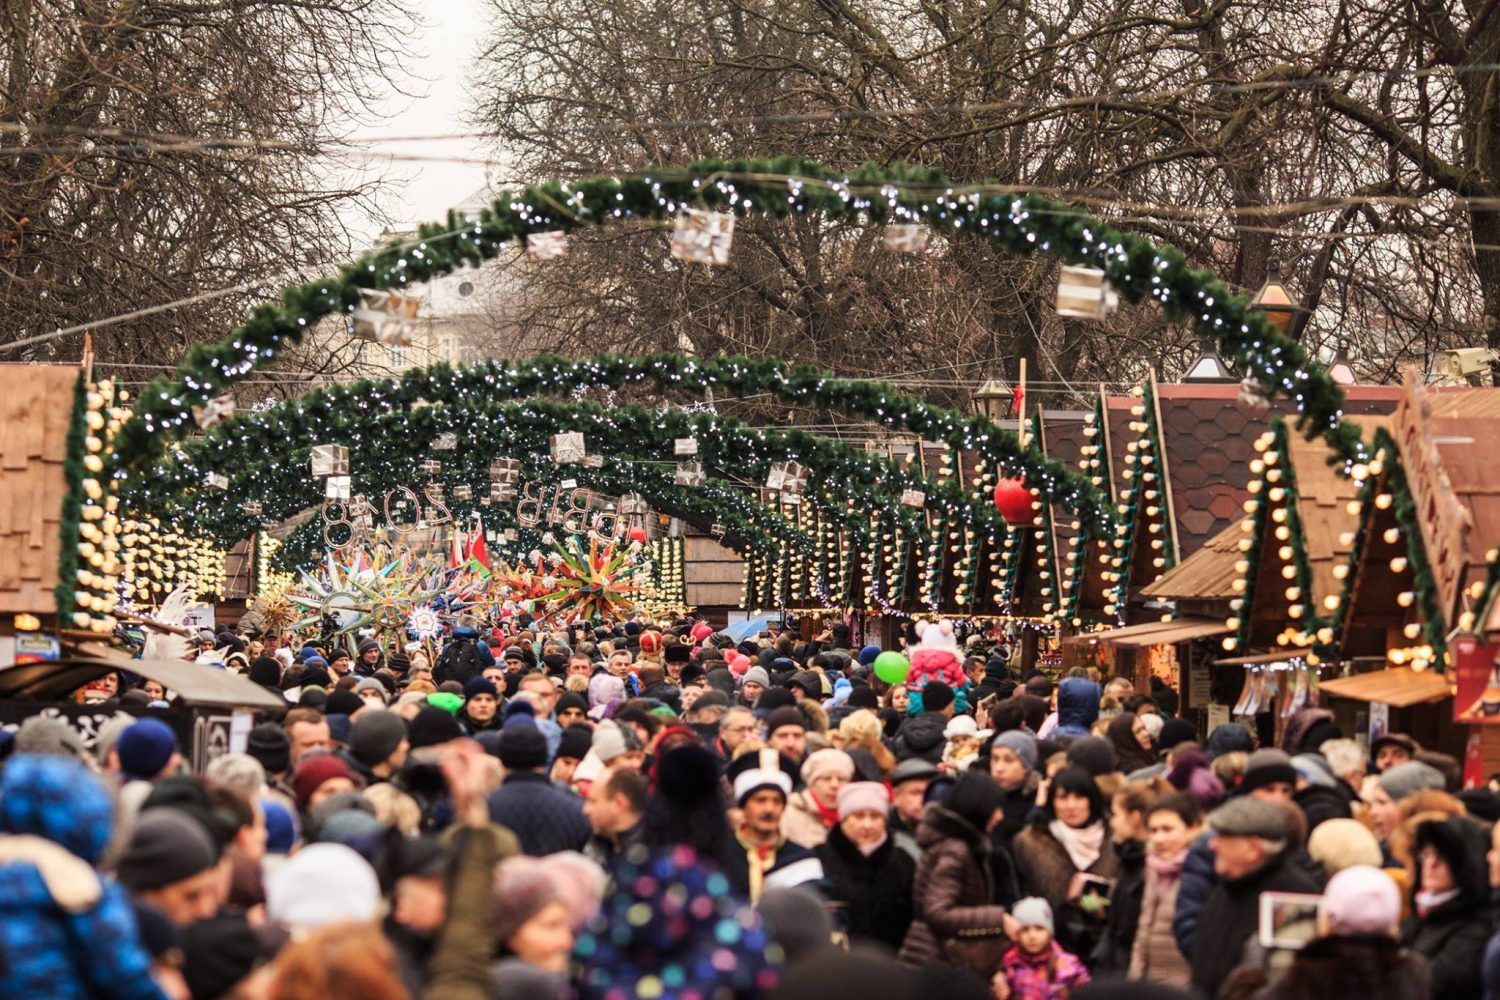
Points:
[(459, 662)]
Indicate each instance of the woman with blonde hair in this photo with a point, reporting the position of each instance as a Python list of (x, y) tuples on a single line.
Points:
[(860, 737)]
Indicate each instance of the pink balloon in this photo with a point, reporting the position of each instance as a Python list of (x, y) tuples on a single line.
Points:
[(702, 631)]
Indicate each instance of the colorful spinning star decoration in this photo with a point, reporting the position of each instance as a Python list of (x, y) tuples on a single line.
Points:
[(597, 583)]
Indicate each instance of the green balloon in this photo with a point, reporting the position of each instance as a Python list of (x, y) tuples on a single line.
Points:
[(892, 667)]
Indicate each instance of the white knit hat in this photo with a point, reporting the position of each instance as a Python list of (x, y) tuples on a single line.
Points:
[(323, 884), (1033, 911)]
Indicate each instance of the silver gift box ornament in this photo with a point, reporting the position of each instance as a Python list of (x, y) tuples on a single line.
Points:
[(463, 491), (445, 442), (568, 448), (546, 246), (1083, 293), (593, 461), (336, 488), (913, 498), (703, 237), (907, 237), (329, 460), (689, 474), (385, 317), (684, 447), (431, 467), (214, 411), (505, 471), (218, 481), (787, 477)]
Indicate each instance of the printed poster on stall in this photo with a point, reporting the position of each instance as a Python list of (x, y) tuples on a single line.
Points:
[(1476, 671)]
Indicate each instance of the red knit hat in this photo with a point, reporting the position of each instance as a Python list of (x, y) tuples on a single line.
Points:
[(313, 772)]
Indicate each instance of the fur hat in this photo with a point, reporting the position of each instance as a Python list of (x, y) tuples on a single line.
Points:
[(1340, 843), (827, 761)]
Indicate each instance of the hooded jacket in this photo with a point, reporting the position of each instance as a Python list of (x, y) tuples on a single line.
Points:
[(1077, 707), (1453, 935), (953, 919), (65, 930), (921, 736)]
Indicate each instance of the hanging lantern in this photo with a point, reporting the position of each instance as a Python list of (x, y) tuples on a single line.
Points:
[(638, 535), (1013, 500)]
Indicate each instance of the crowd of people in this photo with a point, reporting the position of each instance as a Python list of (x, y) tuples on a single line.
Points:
[(632, 811)]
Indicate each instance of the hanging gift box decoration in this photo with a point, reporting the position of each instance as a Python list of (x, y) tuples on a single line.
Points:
[(336, 488), (906, 237), (1252, 400), (685, 447), (463, 491), (385, 317), (703, 237), (431, 467), (330, 460), (546, 246), (593, 461), (214, 411), (689, 474), (913, 498), (568, 448), (217, 481), (445, 442), (254, 508), (787, 477), (717, 530), (1084, 293)]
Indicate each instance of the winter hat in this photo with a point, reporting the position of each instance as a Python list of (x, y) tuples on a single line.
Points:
[(522, 746), (798, 920), (367, 645), (570, 699), (1175, 731), (375, 735), (1094, 754), (43, 734), (868, 654), (480, 685), (353, 827), (218, 953), (936, 696), (1033, 911), (525, 886), (787, 715), (913, 769), (343, 702), (1361, 900), (964, 725), (371, 684), (757, 675), (605, 688), (1410, 778), (448, 701), (269, 745), (166, 847), (774, 698), (1341, 843), (862, 795), (1247, 817), (1229, 738), (281, 826), (322, 884), (863, 696), (827, 761), (1267, 767), (265, 671), (1313, 768), (1020, 743), (431, 726), (759, 771), (575, 742), (145, 748), (315, 771), (57, 799), (612, 739)]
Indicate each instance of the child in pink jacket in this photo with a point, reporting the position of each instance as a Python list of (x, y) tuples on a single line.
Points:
[(1035, 968)]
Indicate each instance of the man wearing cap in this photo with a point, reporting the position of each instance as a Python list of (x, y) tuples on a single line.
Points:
[(786, 732), (1391, 750), (1393, 785), (481, 706), (753, 685), (909, 783), (767, 859), (545, 818), (145, 751), (339, 664), (1250, 839), (172, 863)]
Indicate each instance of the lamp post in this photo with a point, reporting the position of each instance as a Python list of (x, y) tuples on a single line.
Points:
[(1339, 369), (1273, 300), (992, 400), (1209, 367)]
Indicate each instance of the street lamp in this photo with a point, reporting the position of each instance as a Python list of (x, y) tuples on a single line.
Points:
[(1339, 369), (1209, 367), (992, 400), (1273, 300)]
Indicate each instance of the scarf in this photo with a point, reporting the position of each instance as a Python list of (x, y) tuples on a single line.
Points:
[(828, 814), (1427, 901), (1167, 869), (869, 849), (1083, 844), (760, 859)]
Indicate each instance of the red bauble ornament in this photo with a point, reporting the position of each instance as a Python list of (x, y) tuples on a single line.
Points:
[(638, 535), (1013, 500)]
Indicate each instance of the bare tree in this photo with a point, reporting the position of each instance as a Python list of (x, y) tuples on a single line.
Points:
[(163, 149)]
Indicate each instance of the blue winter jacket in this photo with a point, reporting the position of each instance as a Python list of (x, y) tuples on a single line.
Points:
[(1077, 707), (1198, 882)]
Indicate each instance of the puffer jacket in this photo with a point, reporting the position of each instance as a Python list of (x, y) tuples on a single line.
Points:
[(65, 930), (1155, 956), (953, 920)]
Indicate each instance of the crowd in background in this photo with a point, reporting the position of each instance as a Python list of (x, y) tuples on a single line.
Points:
[(665, 813)]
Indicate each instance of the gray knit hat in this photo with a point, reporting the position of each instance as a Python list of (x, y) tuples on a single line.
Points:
[(1247, 817), (1410, 778), (757, 675), (1033, 911), (1020, 743)]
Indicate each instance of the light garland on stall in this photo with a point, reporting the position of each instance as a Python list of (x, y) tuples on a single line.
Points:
[(1145, 502)]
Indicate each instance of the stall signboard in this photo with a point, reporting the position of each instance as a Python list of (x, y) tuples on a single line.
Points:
[(1476, 670)]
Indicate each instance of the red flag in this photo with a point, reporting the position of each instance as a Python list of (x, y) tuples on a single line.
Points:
[(478, 552)]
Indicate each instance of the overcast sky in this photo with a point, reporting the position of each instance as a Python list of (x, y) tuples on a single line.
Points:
[(441, 57)]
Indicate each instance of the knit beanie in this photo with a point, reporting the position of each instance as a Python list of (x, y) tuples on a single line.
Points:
[(480, 685), (368, 645), (44, 734), (218, 953), (1341, 843), (1361, 900), (788, 715), (432, 726), (269, 745), (1410, 778), (936, 696), (868, 654), (575, 742), (1033, 911), (611, 739), (343, 702), (281, 826), (375, 735), (265, 671), (322, 884), (376, 684), (859, 796), (1267, 767), (448, 701), (166, 847), (757, 675), (1020, 743), (1175, 731), (570, 699), (827, 761), (522, 746), (145, 748), (313, 772), (1094, 754), (524, 886)]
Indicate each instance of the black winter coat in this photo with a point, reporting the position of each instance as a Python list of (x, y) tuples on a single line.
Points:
[(1368, 968), (1112, 955), (874, 892), (1231, 916), (921, 736), (1452, 937), (543, 817)]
